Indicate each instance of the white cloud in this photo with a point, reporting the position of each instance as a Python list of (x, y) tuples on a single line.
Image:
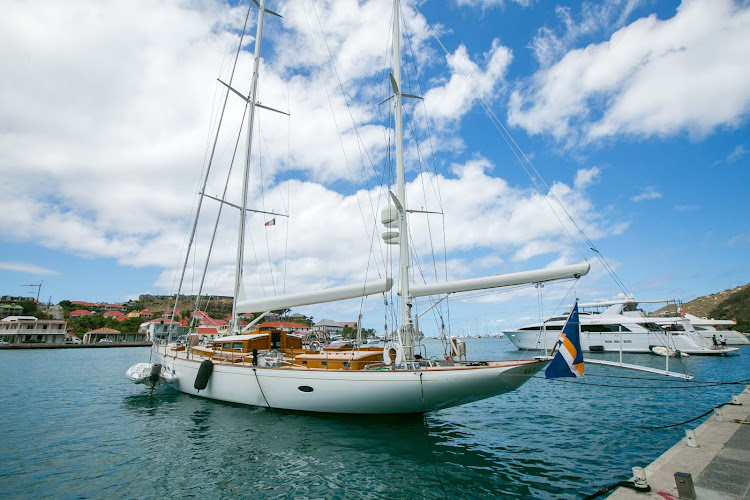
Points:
[(586, 177), (737, 153), (740, 151), (23, 267), (106, 119), (452, 100), (649, 193), (548, 45), (739, 239), (486, 4), (690, 73)]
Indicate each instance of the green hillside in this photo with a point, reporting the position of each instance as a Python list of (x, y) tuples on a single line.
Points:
[(735, 305), (728, 304)]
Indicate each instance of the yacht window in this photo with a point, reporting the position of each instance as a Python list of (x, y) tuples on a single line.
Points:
[(700, 328), (237, 345), (536, 328), (652, 327), (676, 327), (226, 346), (604, 328)]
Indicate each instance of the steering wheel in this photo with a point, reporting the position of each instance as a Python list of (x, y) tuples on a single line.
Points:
[(316, 340)]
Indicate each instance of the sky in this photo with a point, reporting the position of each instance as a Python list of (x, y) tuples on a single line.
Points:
[(634, 114)]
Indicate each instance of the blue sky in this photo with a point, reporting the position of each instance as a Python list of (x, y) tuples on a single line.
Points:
[(635, 112)]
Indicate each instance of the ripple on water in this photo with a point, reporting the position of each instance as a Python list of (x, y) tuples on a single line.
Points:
[(95, 435)]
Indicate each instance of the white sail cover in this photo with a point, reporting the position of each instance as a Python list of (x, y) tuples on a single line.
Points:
[(314, 297), (500, 280)]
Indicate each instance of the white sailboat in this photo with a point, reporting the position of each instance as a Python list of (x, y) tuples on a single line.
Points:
[(278, 370)]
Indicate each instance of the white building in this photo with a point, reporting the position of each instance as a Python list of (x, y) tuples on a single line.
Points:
[(30, 330), (158, 329), (329, 326)]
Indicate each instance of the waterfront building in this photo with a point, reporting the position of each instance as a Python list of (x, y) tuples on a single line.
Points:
[(30, 330), (111, 335)]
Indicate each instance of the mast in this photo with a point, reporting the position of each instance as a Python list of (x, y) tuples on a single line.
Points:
[(245, 174), (406, 322)]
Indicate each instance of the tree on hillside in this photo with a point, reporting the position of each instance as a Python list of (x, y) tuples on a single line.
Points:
[(736, 306), (351, 332), (83, 324)]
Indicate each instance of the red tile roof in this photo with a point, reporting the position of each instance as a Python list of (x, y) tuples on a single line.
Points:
[(207, 329), (104, 330), (113, 313), (82, 303), (213, 322), (80, 312)]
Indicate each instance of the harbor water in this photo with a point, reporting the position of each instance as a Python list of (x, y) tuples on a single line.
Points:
[(74, 427)]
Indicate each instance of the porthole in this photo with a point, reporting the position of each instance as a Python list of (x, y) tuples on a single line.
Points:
[(305, 388)]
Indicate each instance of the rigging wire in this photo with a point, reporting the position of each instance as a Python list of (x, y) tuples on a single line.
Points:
[(526, 163), (434, 182), (333, 115), (261, 141), (362, 148), (207, 169)]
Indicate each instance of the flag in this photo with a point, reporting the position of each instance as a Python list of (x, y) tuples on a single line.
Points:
[(568, 362), (271, 222)]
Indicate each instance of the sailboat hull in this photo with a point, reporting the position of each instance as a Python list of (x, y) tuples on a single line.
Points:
[(344, 391)]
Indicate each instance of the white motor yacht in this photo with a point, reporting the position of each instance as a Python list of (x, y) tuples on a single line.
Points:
[(613, 326), (708, 328)]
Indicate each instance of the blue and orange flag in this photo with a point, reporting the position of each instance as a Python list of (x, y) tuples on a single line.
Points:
[(568, 362)]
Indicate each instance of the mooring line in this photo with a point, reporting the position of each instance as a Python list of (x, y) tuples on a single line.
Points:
[(255, 371), (427, 433), (692, 419)]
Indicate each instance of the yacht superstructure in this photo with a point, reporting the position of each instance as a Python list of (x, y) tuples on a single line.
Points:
[(617, 325), (708, 328)]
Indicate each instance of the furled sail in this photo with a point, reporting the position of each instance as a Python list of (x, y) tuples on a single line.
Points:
[(314, 297), (500, 280)]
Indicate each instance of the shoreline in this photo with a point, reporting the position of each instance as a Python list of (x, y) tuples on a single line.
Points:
[(103, 345)]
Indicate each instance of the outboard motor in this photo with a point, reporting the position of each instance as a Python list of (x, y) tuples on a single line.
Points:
[(153, 378)]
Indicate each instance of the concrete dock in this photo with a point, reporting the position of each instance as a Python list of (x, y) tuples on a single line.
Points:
[(716, 456)]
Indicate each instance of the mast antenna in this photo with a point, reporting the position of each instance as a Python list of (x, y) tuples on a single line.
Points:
[(38, 287)]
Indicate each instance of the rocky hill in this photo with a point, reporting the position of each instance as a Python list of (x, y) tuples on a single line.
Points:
[(215, 306), (731, 303)]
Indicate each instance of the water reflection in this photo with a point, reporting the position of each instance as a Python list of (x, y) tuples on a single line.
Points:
[(106, 438)]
